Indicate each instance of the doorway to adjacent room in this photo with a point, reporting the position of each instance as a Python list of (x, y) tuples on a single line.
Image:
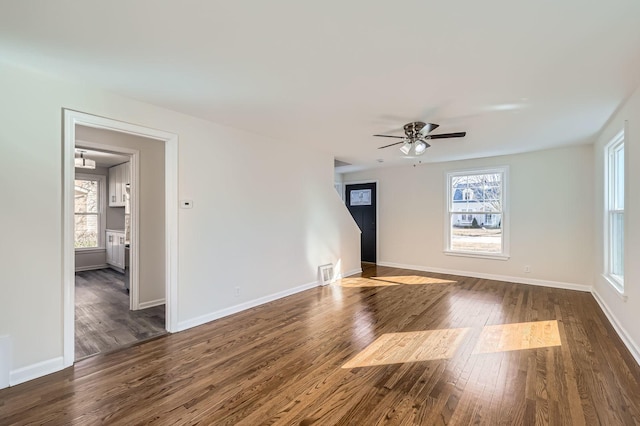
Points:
[(361, 200)]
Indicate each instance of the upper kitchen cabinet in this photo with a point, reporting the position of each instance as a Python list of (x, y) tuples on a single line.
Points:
[(119, 178)]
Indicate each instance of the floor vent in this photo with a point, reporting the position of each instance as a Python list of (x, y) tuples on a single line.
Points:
[(326, 273)]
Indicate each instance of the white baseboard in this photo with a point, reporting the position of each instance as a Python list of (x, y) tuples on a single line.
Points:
[(519, 280), (151, 303), (91, 268), (349, 273), (203, 319), (36, 370), (622, 332)]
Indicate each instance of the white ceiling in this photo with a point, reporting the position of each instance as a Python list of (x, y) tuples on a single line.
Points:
[(516, 75), (102, 158)]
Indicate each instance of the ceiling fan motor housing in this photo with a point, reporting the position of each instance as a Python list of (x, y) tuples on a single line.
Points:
[(412, 130)]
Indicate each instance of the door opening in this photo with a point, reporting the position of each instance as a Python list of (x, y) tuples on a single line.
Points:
[(167, 210), (108, 315), (361, 200)]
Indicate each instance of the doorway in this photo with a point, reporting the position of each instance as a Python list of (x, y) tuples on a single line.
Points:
[(108, 315), (361, 200), (168, 143)]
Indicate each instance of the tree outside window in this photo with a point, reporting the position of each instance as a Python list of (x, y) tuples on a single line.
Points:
[(87, 202)]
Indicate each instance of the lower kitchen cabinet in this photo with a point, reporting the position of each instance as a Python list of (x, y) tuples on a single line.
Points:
[(115, 249)]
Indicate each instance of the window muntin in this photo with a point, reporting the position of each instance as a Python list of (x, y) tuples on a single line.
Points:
[(614, 215), (88, 212), (480, 230)]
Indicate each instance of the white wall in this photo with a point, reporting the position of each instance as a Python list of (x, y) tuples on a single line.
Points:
[(624, 314), (551, 217), (258, 222)]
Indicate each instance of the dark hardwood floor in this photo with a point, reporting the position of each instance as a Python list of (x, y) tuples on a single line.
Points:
[(103, 319), (395, 347)]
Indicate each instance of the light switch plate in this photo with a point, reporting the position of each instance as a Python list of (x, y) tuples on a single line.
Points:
[(186, 204)]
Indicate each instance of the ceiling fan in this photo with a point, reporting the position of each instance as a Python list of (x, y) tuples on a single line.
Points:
[(416, 136)]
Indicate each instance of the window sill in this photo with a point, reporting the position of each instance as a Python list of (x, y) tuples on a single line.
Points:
[(491, 256), (615, 284), (90, 250)]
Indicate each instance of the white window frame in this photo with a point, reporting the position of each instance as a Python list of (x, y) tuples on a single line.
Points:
[(610, 210), (102, 216), (504, 171)]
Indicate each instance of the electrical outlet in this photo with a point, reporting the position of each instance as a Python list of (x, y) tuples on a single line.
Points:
[(237, 291), (527, 269)]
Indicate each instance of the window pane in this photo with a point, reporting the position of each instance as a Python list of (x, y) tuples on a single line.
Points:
[(480, 193), (86, 196), (618, 178), (478, 233), (86, 230), (617, 244)]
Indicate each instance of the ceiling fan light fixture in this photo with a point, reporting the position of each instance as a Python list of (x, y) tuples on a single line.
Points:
[(84, 163), (420, 147), (406, 147)]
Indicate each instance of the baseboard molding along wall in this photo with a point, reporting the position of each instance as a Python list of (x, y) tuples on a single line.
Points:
[(34, 371), (622, 332), (518, 280), (151, 303), (91, 267), (349, 273), (203, 319)]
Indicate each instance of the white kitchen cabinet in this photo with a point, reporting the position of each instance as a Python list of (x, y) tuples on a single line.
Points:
[(115, 249), (119, 177)]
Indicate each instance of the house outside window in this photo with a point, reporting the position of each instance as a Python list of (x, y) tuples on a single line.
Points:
[(614, 214), (481, 231), (89, 201)]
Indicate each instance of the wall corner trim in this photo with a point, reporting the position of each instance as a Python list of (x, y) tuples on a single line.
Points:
[(203, 319), (622, 332), (36, 370)]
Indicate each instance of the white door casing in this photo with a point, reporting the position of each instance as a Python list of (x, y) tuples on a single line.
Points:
[(170, 140)]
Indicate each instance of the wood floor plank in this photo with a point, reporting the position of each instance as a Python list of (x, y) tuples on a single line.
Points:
[(282, 363), (103, 321)]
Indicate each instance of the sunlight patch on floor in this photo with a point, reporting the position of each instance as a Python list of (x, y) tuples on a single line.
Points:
[(413, 346), (362, 282), (390, 281), (413, 279), (513, 337)]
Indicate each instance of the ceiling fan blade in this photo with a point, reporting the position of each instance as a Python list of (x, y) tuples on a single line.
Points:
[(387, 146), (389, 136), (428, 128), (447, 135)]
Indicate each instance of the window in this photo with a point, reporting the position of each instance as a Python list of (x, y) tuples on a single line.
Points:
[(89, 200), (481, 230), (614, 215)]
